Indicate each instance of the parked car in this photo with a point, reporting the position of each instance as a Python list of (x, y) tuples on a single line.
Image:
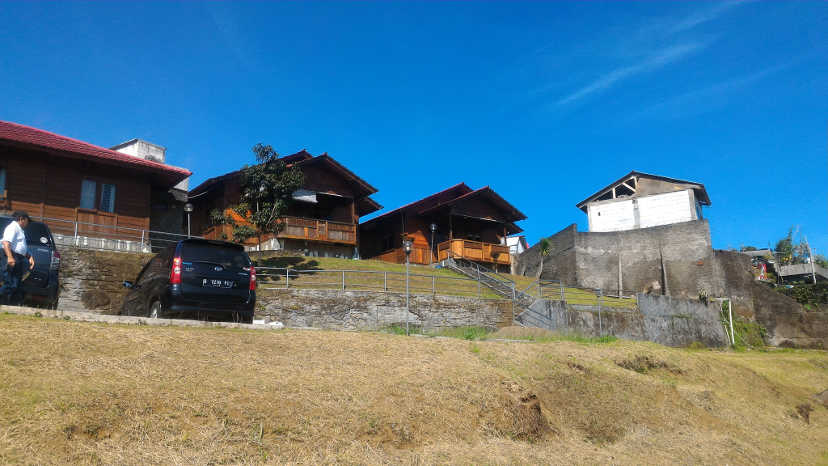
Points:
[(195, 278), (42, 286)]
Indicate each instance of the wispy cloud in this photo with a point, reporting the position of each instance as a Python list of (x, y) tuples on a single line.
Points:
[(650, 53), (703, 16), (706, 98), (657, 60)]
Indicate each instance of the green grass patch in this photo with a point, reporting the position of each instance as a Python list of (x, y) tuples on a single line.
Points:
[(326, 273), (544, 336), (464, 333)]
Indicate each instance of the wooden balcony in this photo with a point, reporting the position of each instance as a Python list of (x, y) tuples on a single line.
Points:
[(317, 230), (474, 251), (420, 254)]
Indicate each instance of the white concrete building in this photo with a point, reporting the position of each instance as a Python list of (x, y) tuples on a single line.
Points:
[(517, 244), (149, 151), (641, 200)]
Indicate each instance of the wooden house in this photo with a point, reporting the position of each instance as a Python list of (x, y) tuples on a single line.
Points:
[(322, 220), (77, 188), (467, 223)]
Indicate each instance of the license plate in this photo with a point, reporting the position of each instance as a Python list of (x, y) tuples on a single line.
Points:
[(212, 283)]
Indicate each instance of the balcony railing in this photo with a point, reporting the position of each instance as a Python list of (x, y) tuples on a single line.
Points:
[(317, 230), (474, 251)]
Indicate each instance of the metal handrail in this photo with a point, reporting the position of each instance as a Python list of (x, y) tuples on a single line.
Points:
[(355, 279), (113, 235)]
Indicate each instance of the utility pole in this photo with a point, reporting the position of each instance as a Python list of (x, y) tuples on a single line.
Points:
[(810, 259)]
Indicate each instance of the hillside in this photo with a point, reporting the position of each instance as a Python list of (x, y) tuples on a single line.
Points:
[(96, 393)]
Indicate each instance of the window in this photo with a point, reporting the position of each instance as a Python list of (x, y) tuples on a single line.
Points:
[(107, 197), (88, 194), (2, 180)]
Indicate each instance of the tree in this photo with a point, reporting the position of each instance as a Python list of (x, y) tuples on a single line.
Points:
[(788, 252), (821, 261), (266, 192), (785, 248), (545, 250)]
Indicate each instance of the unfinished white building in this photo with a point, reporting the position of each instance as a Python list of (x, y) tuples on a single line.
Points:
[(641, 200)]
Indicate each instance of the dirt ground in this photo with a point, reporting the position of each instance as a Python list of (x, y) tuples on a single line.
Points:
[(75, 392)]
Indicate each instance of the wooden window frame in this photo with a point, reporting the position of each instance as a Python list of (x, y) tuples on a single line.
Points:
[(5, 203), (99, 182), (4, 188)]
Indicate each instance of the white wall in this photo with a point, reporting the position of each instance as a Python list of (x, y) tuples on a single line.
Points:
[(667, 208), (642, 212), (612, 216)]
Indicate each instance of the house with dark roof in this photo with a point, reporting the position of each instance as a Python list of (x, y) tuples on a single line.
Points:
[(80, 189), (458, 222), (641, 200), (321, 220)]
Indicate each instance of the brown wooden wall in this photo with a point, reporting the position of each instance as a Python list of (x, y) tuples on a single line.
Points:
[(49, 186), (374, 240), (318, 177)]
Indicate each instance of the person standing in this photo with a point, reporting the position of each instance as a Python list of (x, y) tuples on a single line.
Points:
[(17, 256)]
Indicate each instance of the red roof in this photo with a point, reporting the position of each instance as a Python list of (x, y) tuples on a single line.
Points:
[(72, 147)]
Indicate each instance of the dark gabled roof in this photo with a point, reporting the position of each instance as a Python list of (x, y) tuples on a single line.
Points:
[(487, 192), (366, 206), (73, 148), (330, 161), (451, 196), (288, 159), (426, 202), (701, 192), (304, 158)]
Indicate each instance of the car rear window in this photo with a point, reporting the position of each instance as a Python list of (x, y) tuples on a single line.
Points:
[(35, 233), (226, 256)]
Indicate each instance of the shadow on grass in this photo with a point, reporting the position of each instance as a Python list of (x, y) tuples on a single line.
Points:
[(285, 262)]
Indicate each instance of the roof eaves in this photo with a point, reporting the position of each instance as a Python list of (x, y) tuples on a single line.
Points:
[(460, 185)]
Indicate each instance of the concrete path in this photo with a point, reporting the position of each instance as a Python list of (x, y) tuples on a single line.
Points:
[(127, 320)]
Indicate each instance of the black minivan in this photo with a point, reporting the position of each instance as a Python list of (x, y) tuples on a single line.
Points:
[(41, 285), (195, 278)]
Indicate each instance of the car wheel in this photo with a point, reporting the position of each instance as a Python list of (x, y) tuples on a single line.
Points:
[(54, 304), (156, 310)]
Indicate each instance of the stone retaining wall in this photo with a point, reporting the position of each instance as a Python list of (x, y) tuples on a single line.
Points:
[(364, 310), (660, 319), (93, 280)]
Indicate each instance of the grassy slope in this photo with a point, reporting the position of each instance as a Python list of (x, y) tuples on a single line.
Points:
[(80, 392), (444, 283)]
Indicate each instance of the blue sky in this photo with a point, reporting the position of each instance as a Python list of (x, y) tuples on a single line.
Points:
[(545, 102)]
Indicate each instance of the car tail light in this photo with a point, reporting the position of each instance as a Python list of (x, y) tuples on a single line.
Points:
[(175, 273), (55, 264), (252, 278)]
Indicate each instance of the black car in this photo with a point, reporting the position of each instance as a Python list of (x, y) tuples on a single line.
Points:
[(195, 278), (42, 286)]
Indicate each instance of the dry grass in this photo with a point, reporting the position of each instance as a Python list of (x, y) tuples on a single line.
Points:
[(94, 393)]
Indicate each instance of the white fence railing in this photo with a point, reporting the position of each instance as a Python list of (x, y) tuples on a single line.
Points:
[(281, 278), (109, 237)]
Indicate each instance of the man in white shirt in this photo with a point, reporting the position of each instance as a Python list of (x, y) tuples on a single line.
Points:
[(16, 253)]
